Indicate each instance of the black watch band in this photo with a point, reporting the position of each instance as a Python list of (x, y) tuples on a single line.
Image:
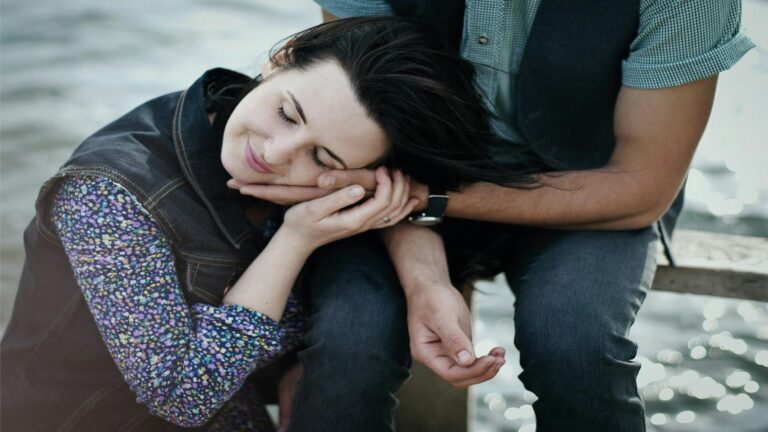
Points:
[(437, 201)]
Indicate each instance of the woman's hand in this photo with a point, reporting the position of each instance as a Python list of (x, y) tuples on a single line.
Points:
[(327, 219), (327, 183)]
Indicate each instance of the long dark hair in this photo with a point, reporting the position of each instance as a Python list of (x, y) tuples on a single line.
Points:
[(421, 92)]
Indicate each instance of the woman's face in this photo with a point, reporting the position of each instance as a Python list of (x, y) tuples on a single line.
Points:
[(297, 124)]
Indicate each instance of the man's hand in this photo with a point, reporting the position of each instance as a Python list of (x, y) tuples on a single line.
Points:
[(340, 178), (439, 322), (439, 325)]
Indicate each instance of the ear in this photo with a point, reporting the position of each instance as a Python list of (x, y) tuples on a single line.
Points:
[(269, 66)]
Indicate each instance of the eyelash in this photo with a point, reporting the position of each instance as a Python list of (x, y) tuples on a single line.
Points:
[(316, 159), (281, 114)]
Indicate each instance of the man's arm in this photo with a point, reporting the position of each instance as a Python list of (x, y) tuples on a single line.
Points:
[(657, 132), (656, 135), (439, 321)]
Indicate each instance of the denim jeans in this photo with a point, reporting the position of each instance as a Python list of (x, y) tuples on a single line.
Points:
[(576, 296), (357, 354)]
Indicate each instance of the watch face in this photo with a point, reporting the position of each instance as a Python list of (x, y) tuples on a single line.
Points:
[(425, 220)]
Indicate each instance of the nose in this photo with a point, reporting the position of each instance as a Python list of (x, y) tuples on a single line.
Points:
[(279, 150)]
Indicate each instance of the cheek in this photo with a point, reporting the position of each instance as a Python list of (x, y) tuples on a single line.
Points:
[(252, 115), (302, 173)]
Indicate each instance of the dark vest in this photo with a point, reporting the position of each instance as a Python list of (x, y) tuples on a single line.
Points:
[(56, 372), (569, 78)]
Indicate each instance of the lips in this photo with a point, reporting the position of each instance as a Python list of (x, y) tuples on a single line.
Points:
[(254, 161)]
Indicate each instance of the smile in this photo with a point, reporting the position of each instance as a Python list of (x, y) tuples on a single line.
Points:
[(254, 161)]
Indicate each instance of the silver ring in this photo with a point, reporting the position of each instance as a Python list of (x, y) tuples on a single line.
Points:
[(387, 219)]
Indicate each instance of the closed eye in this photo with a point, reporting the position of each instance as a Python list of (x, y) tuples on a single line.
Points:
[(281, 114), (315, 154)]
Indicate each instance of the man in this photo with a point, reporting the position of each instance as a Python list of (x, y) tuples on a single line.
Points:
[(614, 94)]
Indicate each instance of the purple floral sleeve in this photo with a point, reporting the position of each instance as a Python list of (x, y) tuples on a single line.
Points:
[(183, 363)]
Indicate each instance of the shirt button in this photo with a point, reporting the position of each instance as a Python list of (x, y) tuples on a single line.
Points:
[(482, 40)]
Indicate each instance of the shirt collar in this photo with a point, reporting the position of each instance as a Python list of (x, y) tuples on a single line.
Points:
[(198, 148)]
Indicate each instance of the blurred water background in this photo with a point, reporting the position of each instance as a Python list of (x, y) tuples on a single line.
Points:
[(68, 68)]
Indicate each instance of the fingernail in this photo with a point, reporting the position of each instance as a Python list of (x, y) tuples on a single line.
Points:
[(356, 191), (327, 181), (465, 357)]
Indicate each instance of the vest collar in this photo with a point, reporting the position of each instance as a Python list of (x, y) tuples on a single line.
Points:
[(198, 148)]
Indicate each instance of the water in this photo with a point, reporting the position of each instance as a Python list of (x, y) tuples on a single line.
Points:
[(70, 67)]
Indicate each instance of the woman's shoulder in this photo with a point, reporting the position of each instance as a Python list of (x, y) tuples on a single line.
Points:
[(90, 201)]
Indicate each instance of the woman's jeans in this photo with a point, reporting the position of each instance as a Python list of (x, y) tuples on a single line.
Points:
[(576, 296)]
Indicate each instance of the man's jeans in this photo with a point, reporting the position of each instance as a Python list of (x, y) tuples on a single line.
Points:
[(576, 296)]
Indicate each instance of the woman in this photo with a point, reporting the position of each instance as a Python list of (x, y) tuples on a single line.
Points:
[(151, 292)]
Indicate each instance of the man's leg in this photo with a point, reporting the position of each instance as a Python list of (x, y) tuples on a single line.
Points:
[(357, 353), (576, 296)]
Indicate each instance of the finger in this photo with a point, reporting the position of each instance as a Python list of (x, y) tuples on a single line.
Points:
[(457, 344), (406, 193), (234, 184), (367, 214), (403, 209), (454, 373), (277, 193), (497, 352), (402, 214), (433, 356), (488, 375), (321, 208), (336, 179), (398, 192)]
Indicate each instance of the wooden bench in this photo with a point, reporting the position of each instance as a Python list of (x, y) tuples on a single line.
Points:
[(708, 264)]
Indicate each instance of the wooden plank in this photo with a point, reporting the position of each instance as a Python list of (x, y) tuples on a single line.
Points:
[(716, 264), (720, 283), (429, 404), (700, 249)]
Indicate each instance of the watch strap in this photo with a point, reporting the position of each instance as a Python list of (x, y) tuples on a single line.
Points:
[(437, 201)]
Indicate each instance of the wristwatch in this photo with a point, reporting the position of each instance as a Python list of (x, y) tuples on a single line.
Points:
[(437, 201)]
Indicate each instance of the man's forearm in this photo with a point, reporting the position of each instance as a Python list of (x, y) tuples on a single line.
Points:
[(656, 135), (419, 257), (591, 199)]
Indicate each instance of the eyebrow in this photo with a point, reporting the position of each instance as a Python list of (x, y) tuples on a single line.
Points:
[(300, 110), (298, 106)]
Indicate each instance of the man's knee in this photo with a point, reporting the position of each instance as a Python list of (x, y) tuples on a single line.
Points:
[(584, 353)]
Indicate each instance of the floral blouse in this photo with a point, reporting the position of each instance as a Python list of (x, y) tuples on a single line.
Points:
[(185, 363)]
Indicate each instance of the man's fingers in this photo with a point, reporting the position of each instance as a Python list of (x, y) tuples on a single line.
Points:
[(340, 178), (486, 376), (497, 352), (457, 344), (456, 374)]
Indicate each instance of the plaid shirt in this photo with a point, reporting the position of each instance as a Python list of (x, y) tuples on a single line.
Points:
[(677, 42)]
